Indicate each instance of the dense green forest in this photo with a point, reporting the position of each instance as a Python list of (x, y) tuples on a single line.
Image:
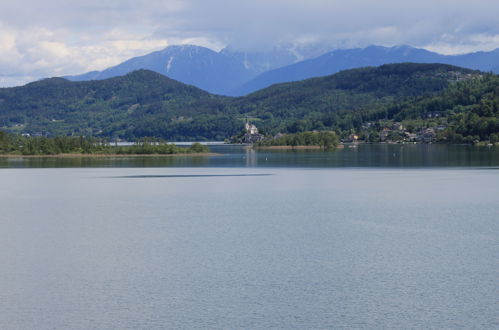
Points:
[(14, 144), (349, 98), (129, 107), (325, 139), (461, 102)]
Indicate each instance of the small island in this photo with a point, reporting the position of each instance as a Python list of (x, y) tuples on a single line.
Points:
[(12, 145)]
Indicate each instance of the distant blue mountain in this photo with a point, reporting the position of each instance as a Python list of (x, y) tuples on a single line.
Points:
[(338, 60), (235, 73), (215, 72), (198, 66)]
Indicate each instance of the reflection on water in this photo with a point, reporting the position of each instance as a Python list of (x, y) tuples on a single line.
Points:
[(251, 157), (365, 155), (50, 162)]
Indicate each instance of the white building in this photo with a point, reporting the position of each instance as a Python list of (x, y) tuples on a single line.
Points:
[(251, 129)]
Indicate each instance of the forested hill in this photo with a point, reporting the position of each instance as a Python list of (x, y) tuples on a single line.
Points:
[(144, 103), (106, 107), (348, 98)]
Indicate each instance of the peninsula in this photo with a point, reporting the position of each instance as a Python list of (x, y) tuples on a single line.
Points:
[(12, 145)]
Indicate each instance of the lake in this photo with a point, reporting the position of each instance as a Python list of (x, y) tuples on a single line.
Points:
[(379, 236), (365, 155)]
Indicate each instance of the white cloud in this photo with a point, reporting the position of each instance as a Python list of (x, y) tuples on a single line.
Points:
[(39, 52), (452, 45), (8, 81), (59, 37)]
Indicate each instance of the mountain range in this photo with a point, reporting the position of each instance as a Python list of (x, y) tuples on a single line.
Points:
[(216, 72), (339, 60), (235, 73)]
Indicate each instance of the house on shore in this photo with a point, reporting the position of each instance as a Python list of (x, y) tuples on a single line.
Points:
[(427, 135)]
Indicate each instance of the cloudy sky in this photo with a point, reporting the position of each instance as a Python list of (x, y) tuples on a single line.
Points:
[(59, 37)]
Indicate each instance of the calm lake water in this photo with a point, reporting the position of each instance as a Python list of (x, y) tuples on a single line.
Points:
[(375, 155), (376, 237)]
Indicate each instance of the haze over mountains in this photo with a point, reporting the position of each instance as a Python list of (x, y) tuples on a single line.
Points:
[(338, 60), (236, 73), (216, 72)]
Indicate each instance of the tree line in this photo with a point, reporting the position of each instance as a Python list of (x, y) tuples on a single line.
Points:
[(13, 144), (326, 139)]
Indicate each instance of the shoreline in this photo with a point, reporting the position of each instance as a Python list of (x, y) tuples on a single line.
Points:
[(198, 154)]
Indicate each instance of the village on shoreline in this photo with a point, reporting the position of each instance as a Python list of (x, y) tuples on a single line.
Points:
[(371, 132)]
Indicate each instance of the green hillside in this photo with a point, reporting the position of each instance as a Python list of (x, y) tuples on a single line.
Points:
[(347, 99), (113, 107), (469, 110), (145, 103)]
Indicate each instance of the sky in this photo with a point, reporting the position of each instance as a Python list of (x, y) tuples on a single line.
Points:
[(62, 37)]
